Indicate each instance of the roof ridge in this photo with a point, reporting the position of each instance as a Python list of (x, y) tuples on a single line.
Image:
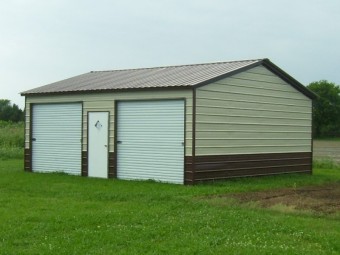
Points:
[(171, 66)]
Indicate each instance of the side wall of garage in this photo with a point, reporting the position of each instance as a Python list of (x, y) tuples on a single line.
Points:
[(106, 102), (252, 123)]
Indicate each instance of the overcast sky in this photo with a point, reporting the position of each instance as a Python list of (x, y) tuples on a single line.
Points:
[(43, 41)]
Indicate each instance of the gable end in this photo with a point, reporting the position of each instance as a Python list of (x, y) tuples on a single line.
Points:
[(287, 78), (270, 66), (223, 76)]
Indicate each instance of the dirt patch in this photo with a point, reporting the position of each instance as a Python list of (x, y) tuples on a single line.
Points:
[(317, 199)]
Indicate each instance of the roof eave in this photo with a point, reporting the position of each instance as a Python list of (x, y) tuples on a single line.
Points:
[(103, 90)]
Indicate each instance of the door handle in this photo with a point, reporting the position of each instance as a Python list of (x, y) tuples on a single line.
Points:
[(33, 139), (119, 142), (105, 145)]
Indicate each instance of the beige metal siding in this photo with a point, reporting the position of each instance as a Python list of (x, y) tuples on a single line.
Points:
[(106, 102), (252, 112)]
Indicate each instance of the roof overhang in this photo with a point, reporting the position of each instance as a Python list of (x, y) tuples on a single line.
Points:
[(102, 91)]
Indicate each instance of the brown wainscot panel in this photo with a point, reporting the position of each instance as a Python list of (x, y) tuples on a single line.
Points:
[(84, 163), (188, 170), (28, 160), (217, 167), (112, 164)]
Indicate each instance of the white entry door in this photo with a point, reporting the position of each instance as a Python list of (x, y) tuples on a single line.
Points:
[(98, 126)]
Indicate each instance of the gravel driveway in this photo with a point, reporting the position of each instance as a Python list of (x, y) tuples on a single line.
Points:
[(326, 149)]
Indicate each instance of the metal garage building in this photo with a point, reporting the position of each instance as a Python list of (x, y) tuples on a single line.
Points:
[(179, 124)]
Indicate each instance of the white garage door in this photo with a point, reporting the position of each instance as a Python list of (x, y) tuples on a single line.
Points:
[(150, 140), (56, 138)]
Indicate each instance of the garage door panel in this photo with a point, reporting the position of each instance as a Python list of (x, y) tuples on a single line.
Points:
[(151, 135), (147, 174), (56, 129)]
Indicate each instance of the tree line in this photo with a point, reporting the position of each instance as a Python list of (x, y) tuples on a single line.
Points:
[(326, 109), (10, 112)]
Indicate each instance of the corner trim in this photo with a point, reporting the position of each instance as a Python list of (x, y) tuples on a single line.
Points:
[(30, 136), (193, 169), (115, 139), (311, 134)]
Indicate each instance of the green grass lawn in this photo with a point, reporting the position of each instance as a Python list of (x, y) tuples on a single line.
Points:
[(11, 140), (61, 214)]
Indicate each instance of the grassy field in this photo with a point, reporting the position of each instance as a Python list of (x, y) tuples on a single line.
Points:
[(11, 140), (61, 214)]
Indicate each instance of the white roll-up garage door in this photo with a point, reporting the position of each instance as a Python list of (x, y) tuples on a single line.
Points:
[(56, 138), (150, 140)]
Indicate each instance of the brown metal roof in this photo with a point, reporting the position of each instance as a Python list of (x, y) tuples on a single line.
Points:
[(157, 77), (160, 77)]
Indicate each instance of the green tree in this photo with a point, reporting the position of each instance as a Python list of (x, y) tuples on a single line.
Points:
[(326, 109), (9, 112)]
